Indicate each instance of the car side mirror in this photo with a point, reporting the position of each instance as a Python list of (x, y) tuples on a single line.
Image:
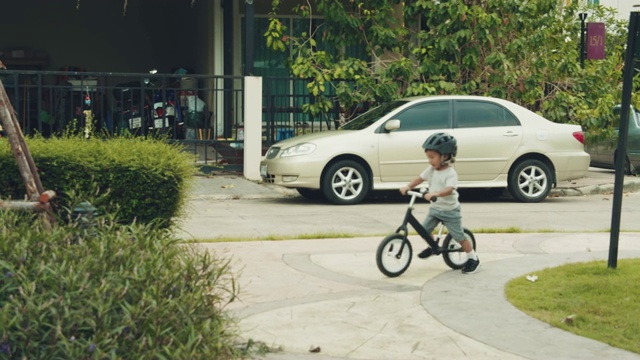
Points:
[(392, 125)]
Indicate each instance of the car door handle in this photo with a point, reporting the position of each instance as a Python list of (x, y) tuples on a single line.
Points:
[(510, 134)]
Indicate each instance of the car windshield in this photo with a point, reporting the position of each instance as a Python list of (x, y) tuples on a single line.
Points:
[(372, 115)]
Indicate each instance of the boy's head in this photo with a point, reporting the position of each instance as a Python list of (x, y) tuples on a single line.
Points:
[(444, 144)]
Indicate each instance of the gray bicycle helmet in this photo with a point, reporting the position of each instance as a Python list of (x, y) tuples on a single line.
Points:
[(442, 143)]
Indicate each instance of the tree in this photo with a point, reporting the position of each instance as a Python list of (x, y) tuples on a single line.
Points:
[(523, 51)]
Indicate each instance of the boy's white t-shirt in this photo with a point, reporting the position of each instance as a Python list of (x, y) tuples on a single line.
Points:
[(439, 180)]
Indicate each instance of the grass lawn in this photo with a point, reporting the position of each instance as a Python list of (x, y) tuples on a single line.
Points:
[(587, 299)]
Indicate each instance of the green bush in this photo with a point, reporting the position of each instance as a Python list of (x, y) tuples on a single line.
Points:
[(124, 292), (142, 179)]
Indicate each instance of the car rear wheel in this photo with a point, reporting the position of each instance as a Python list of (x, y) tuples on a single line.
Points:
[(345, 182), (530, 181)]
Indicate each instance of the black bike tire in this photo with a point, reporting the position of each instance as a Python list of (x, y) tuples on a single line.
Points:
[(447, 256), (381, 253)]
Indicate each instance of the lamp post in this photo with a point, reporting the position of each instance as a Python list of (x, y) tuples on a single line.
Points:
[(627, 90), (84, 214), (583, 17)]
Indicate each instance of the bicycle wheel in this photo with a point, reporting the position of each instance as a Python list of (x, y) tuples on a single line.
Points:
[(455, 257), (391, 261)]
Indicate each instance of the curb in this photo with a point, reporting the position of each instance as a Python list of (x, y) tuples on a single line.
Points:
[(275, 193), (629, 186)]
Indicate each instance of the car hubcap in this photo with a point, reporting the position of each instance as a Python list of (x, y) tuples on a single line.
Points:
[(532, 181), (347, 183)]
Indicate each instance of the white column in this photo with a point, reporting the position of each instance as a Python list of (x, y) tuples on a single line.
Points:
[(252, 127)]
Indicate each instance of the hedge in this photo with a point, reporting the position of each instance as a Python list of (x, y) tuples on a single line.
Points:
[(115, 292), (137, 179)]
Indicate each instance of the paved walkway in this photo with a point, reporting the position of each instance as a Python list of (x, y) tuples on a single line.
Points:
[(328, 295), (303, 294)]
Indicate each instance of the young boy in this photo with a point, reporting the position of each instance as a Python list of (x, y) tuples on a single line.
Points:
[(441, 150)]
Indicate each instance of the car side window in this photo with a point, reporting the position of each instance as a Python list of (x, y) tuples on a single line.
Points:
[(474, 114), (430, 115)]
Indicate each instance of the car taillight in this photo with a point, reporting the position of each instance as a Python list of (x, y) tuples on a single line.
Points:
[(579, 135)]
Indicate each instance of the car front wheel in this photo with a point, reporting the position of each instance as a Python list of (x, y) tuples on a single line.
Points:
[(345, 182), (530, 181)]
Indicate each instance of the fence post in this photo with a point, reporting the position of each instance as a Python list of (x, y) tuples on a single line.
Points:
[(252, 127)]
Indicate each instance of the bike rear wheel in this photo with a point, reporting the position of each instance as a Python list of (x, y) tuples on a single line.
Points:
[(391, 260), (454, 256)]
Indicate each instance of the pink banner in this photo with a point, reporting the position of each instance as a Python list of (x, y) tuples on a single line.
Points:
[(595, 40)]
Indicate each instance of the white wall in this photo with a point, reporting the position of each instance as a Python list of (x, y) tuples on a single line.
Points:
[(624, 6)]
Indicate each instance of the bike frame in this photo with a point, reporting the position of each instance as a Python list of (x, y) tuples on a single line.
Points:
[(409, 218)]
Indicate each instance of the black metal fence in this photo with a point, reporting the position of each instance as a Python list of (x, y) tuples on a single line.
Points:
[(204, 112), (181, 106), (283, 109)]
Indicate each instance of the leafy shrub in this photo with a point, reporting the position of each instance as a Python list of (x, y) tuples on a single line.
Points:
[(143, 179), (527, 52), (124, 292)]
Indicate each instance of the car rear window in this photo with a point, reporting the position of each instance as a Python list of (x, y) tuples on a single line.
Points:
[(634, 116)]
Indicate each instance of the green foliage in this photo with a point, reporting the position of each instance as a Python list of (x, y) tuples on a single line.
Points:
[(526, 52), (142, 179), (125, 292)]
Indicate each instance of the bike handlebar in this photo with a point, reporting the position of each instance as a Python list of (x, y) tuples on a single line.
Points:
[(421, 195)]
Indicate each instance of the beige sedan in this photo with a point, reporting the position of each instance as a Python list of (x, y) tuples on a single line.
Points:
[(500, 145)]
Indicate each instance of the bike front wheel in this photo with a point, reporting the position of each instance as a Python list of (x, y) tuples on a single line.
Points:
[(394, 255), (453, 254)]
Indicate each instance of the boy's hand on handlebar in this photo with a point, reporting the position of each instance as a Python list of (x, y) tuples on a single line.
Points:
[(404, 189), (430, 196)]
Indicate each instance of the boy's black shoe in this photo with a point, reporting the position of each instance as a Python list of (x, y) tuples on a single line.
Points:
[(426, 253), (471, 266)]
